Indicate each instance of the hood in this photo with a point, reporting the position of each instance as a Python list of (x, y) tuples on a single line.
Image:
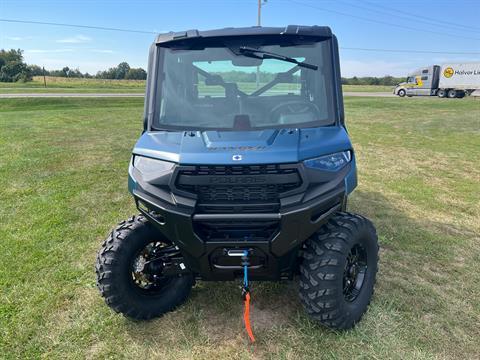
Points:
[(242, 147)]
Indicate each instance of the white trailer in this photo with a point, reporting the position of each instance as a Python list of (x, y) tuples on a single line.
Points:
[(452, 80)]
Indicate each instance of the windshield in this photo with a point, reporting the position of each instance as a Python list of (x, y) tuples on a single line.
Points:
[(245, 88)]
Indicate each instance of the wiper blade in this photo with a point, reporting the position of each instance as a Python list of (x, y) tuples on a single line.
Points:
[(252, 52)]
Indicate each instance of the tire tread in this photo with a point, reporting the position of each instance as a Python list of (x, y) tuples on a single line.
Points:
[(322, 256)]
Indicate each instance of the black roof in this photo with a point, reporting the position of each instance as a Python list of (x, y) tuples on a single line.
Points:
[(290, 30)]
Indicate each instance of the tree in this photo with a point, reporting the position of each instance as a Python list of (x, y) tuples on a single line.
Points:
[(111, 73), (75, 73), (65, 71), (12, 67), (122, 70), (36, 70), (136, 74)]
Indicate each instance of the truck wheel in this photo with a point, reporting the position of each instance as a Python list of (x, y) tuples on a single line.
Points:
[(338, 271), (401, 93), (441, 93), (452, 94), (122, 276)]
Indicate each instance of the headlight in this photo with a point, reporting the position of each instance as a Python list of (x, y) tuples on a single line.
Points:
[(332, 162), (148, 165)]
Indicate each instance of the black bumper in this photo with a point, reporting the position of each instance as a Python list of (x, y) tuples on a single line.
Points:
[(299, 214)]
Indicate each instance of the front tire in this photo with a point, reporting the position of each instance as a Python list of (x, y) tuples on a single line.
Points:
[(401, 93), (338, 271), (121, 277)]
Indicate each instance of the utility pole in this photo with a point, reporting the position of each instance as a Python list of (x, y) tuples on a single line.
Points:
[(259, 14), (44, 78), (259, 23)]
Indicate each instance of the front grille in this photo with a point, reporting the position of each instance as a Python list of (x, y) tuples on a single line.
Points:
[(240, 169), (239, 193), (235, 189), (236, 230)]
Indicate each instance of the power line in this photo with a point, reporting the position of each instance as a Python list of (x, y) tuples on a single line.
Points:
[(76, 26), (408, 17), (152, 32), (416, 16), (382, 22), (412, 51)]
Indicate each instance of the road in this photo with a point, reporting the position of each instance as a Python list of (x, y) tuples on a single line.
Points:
[(99, 95), (63, 95)]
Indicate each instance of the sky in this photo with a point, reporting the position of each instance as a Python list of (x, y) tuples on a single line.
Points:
[(443, 27)]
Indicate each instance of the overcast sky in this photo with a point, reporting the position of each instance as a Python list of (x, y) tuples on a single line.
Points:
[(422, 25)]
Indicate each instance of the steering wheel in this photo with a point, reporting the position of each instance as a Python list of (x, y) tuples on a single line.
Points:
[(296, 107)]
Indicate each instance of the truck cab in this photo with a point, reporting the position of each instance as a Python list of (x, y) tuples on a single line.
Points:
[(421, 82)]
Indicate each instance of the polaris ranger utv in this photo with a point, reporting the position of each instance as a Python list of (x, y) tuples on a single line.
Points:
[(244, 167)]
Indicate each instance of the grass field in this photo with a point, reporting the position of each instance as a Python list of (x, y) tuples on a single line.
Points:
[(66, 85), (59, 85), (63, 178), (368, 88)]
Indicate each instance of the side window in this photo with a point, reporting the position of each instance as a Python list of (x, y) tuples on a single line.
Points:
[(424, 77), (425, 71)]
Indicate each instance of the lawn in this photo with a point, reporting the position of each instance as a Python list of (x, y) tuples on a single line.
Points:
[(68, 85), (63, 179), (76, 85), (368, 88)]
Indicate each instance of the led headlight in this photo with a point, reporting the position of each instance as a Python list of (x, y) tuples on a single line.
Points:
[(150, 166), (332, 162)]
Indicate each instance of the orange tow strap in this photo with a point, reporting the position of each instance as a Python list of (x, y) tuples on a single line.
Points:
[(246, 317), (246, 296)]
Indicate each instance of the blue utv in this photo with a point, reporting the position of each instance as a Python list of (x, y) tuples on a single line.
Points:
[(244, 167)]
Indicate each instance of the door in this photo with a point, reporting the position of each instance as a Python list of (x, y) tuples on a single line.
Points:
[(423, 82), (410, 85)]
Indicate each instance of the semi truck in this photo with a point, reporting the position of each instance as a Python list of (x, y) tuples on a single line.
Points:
[(448, 80)]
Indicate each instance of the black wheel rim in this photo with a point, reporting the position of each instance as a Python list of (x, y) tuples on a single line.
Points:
[(146, 278), (355, 272)]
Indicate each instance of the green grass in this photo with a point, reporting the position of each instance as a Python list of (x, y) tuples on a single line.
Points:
[(63, 175), (66, 85), (368, 88)]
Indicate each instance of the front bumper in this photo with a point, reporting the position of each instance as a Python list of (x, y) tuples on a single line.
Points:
[(300, 213)]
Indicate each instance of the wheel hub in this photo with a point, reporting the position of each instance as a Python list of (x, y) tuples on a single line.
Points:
[(354, 273), (147, 266)]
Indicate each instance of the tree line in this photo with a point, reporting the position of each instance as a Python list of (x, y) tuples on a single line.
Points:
[(13, 68), (369, 80), (120, 72)]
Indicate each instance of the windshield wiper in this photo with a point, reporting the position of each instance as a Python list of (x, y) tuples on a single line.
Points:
[(252, 52)]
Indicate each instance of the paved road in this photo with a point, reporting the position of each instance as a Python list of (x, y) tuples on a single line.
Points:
[(99, 95), (63, 95)]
